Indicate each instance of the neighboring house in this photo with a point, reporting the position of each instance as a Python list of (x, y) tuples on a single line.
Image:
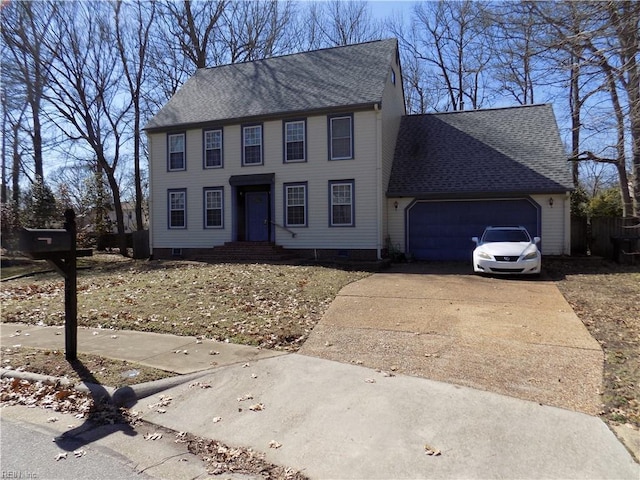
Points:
[(87, 222), (129, 213), (300, 151)]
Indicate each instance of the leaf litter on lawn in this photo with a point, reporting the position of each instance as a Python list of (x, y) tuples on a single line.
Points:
[(272, 306), (606, 297)]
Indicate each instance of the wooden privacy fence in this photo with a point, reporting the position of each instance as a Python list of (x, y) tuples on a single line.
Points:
[(594, 236)]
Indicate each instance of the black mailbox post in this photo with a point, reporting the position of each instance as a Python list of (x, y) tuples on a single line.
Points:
[(58, 248)]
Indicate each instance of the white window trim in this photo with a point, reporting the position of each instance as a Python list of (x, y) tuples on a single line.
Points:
[(219, 190), (244, 145), (221, 148), (184, 151), (287, 205), (183, 209), (304, 142), (331, 137), (333, 184)]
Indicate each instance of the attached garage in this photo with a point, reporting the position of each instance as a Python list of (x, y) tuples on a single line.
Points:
[(455, 173), (442, 230)]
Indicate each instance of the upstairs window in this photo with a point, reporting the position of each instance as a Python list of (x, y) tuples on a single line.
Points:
[(176, 147), (341, 203), (295, 204), (178, 208), (252, 145), (341, 137), (294, 141), (213, 149), (213, 203)]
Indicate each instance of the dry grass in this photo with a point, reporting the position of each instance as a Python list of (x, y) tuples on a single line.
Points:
[(606, 297), (276, 306), (88, 368), (273, 306)]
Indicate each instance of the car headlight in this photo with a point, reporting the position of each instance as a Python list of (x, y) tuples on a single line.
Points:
[(531, 256), (484, 255)]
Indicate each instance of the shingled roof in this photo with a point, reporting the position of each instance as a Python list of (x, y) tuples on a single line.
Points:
[(353, 76), (506, 151)]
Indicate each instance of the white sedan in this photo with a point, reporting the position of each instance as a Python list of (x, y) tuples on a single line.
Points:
[(506, 250)]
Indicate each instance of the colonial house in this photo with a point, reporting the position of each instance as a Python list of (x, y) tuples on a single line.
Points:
[(313, 154)]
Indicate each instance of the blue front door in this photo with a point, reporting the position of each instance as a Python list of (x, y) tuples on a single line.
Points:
[(257, 205)]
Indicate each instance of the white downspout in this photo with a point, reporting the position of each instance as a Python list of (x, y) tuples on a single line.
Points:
[(567, 223), (150, 199), (380, 193)]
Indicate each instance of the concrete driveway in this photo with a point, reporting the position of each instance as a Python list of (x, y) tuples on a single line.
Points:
[(517, 337)]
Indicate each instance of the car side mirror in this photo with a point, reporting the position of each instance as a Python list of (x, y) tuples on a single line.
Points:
[(475, 240), (536, 240)]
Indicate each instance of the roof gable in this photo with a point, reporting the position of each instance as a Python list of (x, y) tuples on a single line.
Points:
[(504, 151), (348, 76)]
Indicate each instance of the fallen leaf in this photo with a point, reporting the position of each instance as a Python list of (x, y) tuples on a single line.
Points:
[(200, 385), (429, 450)]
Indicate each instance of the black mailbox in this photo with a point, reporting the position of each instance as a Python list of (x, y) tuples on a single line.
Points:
[(41, 244)]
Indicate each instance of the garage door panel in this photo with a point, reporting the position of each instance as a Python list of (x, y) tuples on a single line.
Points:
[(443, 230)]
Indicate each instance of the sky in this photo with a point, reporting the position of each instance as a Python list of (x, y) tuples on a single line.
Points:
[(385, 8)]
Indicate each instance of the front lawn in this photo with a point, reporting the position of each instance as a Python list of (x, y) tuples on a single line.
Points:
[(606, 297), (277, 306), (273, 306)]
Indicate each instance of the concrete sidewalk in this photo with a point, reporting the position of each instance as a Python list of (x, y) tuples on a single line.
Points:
[(172, 353), (335, 420)]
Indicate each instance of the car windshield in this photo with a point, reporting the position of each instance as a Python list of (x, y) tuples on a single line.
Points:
[(491, 236)]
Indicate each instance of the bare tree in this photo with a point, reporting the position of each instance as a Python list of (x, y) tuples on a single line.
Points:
[(338, 22), (15, 147), (518, 64), (182, 40), (625, 20), (448, 36), (87, 94), (256, 29), (24, 26), (133, 39), (193, 25), (605, 41)]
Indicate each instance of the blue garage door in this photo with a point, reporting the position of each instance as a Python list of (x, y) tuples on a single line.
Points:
[(443, 230)]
